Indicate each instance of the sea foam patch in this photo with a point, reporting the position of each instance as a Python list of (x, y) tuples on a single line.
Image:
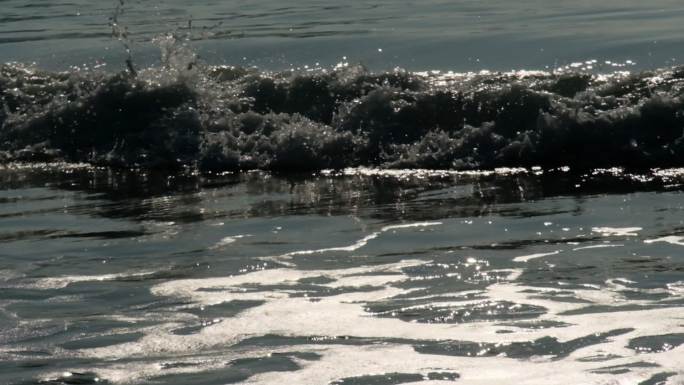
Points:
[(64, 281), (672, 239), (526, 258), (562, 352), (617, 231)]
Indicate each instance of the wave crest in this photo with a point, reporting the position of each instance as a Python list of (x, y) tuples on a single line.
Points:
[(228, 118)]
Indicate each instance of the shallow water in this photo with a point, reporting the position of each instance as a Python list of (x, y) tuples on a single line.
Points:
[(355, 277), (417, 35)]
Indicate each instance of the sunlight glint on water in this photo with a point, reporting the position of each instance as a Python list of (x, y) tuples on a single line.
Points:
[(345, 279), (376, 251)]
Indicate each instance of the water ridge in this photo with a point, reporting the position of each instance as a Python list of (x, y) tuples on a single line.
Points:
[(222, 118)]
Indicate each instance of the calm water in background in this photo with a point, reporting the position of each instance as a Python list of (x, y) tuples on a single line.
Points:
[(417, 35)]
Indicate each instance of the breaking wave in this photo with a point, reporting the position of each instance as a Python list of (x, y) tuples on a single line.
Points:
[(221, 118)]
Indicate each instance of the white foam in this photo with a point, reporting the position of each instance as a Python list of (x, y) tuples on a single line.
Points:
[(349, 361), (617, 231), (345, 313), (363, 241), (339, 361), (676, 287), (603, 246), (229, 288), (422, 173), (525, 258), (6, 275), (672, 239), (64, 281), (228, 240)]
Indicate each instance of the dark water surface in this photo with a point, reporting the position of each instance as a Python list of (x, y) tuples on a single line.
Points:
[(358, 277)]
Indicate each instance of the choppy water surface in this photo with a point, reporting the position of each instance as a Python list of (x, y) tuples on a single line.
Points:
[(359, 277), (167, 104), (179, 265)]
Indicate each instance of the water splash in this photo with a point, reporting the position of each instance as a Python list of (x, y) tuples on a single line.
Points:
[(222, 118), (120, 33)]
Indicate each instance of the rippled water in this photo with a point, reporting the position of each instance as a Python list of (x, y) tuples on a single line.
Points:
[(354, 277), (161, 259), (417, 35)]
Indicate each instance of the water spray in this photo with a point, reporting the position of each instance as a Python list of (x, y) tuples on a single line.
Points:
[(120, 33)]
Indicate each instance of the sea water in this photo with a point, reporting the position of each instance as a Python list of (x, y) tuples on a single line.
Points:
[(252, 192), (352, 277), (461, 35)]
